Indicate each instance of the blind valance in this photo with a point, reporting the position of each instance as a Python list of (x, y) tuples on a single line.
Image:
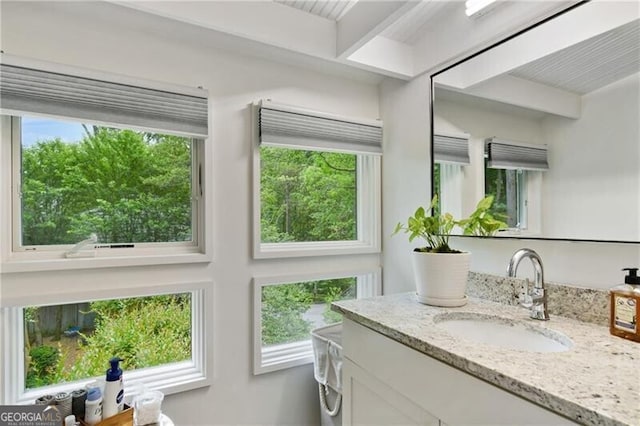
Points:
[(25, 90), (504, 154), (451, 149), (303, 129)]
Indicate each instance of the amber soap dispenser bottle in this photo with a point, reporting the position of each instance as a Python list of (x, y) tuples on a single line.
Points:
[(625, 307)]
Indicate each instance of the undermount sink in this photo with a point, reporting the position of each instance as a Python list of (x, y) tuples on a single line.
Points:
[(502, 332)]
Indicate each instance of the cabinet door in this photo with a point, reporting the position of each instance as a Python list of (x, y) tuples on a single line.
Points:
[(438, 389), (368, 401)]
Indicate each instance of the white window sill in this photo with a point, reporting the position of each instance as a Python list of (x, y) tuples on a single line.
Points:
[(303, 249), (168, 378), (279, 357), (30, 262)]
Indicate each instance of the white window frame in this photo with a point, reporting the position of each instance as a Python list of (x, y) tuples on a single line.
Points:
[(169, 378), (287, 355), (368, 212), (41, 258)]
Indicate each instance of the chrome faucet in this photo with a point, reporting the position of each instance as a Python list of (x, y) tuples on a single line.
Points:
[(536, 299)]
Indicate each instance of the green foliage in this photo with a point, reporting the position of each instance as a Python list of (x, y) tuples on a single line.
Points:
[(123, 185), (282, 309), (330, 317), (481, 222), (307, 195), (144, 331), (437, 228), (42, 366), (284, 306)]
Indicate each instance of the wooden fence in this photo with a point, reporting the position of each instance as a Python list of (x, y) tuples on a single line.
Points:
[(73, 315)]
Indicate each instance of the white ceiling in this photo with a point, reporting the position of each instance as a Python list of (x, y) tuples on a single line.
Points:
[(392, 38), (329, 9), (590, 64), (414, 25)]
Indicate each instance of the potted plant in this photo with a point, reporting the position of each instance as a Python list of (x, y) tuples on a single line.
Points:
[(441, 272)]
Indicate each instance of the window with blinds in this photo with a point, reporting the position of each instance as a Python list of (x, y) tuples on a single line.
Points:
[(451, 149), (317, 183), (508, 170), (503, 154), (99, 157)]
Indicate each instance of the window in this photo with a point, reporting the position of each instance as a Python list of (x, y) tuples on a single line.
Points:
[(123, 185), (286, 309), (509, 188), (116, 166), (160, 338), (316, 184), (449, 182), (307, 195), (513, 175), (450, 155)]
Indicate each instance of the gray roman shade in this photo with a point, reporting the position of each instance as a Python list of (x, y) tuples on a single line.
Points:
[(450, 149), (26, 90), (504, 154), (289, 127)]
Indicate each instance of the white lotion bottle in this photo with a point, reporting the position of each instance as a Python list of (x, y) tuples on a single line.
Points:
[(113, 390), (93, 406)]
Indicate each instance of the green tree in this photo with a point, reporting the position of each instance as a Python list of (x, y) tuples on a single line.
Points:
[(123, 185), (282, 309), (47, 192), (307, 195)]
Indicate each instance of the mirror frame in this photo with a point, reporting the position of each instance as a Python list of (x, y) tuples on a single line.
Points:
[(431, 136)]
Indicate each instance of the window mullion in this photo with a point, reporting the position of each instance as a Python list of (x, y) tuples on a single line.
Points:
[(16, 182)]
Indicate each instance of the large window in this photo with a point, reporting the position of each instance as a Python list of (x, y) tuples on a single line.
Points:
[(97, 166), (65, 343), (287, 309), (78, 179), (316, 184), (60, 347)]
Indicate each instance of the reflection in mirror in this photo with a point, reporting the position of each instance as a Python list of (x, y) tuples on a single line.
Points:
[(547, 122)]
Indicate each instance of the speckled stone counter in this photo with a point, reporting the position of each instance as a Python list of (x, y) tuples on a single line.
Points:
[(596, 382)]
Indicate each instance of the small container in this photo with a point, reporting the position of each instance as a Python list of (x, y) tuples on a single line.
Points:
[(147, 408), (93, 406), (625, 307)]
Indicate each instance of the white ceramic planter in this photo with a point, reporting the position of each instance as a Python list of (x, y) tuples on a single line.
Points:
[(441, 279)]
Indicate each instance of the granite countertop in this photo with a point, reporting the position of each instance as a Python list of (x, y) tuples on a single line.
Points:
[(596, 382)]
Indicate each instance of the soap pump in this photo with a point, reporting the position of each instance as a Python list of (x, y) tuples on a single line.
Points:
[(625, 307), (113, 401)]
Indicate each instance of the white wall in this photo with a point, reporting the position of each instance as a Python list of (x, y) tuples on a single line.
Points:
[(595, 154), (88, 35), (406, 181)]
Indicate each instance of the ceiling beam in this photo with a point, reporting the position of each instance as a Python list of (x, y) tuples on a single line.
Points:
[(262, 21), (366, 20), (526, 94)]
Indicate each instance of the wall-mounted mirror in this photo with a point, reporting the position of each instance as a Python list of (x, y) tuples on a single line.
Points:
[(547, 122)]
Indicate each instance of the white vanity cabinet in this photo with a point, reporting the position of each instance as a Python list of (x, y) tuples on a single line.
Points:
[(388, 383)]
